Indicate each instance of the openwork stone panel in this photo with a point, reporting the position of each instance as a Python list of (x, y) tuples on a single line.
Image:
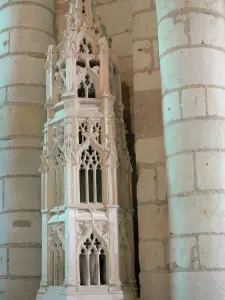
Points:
[(92, 261)]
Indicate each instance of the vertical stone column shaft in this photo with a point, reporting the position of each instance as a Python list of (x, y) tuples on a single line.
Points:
[(151, 189), (26, 31), (192, 58)]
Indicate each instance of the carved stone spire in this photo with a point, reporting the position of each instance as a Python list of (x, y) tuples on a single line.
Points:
[(81, 13), (81, 169)]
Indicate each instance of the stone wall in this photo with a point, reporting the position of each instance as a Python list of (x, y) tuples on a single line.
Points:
[(152, 185)]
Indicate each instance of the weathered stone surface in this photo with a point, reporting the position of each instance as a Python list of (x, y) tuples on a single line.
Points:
[(146, 188), (27, 30), (192, 49), (148, 114)]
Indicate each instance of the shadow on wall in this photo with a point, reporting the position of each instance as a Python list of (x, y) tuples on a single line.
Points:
[(130, 137)]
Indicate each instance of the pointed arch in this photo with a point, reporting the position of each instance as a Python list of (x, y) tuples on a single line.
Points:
[(93, 258), (88, 41)]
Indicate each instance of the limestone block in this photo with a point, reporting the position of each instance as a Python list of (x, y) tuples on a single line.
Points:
[(215, 101), (20, 162), (183, 253), (20, 116), (1, 194), (122, 44), (101, 2), (26, 94), (214, 6), (172, 33), (150, 150), (16, 70), (61, 10), (198, 285), (155, 285), (212, 251), (148, 114), (22, 142), (138, 5), (144, 81), (142, 53), (151, 255), (2, 95), (188, 67), (156, 53), (193, 102), (161, 183), (50, 3), (213, 33), (164, 6), (207, 216), (29, 40), (126, 69), (117, 16), (126, 63), (61, 26), (28, 197), (180, 171), (20, 288), (153, 221), (3, 261), (26, 15), (171, 107), (145, 25), (20, 227), (167, 252), (146, 187), (25, 261), (209, 167), (192, 135), (4, 42), (127, 75)]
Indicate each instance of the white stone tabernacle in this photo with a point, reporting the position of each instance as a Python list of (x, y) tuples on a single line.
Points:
[(87, 215)]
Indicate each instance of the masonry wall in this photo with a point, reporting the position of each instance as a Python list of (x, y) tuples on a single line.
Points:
[(152, 185)]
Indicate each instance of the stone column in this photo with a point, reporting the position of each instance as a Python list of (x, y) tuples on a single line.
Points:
[(26, 30), (150, 157), (192, 58)]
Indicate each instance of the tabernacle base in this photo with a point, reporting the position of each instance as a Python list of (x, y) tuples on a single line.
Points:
[(86, 293)]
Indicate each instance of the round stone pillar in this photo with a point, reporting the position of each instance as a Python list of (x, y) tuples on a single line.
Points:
[(192, 59), (26, 31)]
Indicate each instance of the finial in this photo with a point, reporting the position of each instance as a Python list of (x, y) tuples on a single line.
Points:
[(93, 6), (103, 29), (72, 8)]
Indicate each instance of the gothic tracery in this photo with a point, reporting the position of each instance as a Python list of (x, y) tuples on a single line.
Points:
[(83, 153)]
